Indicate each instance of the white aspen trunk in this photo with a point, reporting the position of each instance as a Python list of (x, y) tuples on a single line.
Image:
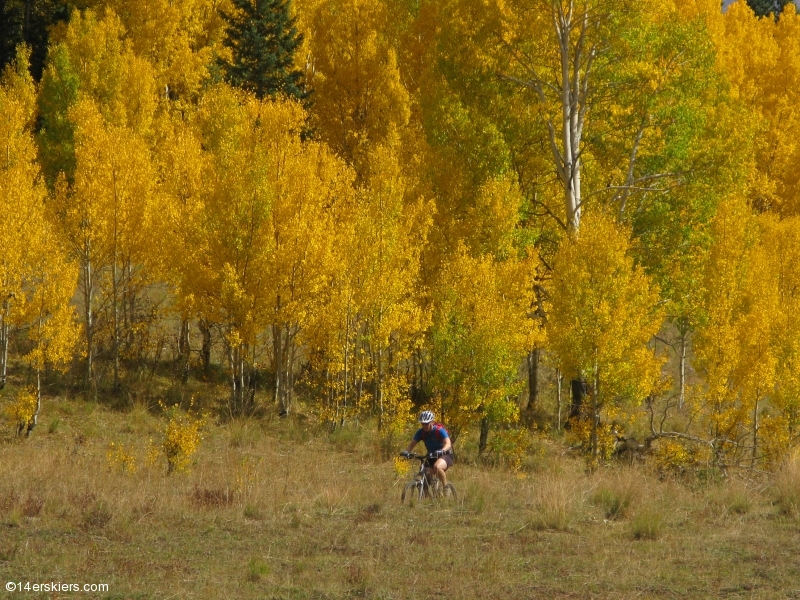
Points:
[(360, 386), (34, 420), (277, 347), (4, 329), (563, 26), (88, 300), (755, 433), (242, 387), (682, 371), (346, 357), (595, 409), (379, 390), (232, 366), (559, 381), (290, 355), (115, 318)]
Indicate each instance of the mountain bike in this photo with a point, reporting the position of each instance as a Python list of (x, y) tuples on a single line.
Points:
[(425, 484)]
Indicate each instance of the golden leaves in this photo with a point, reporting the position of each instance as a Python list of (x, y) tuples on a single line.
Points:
[(604, 312)]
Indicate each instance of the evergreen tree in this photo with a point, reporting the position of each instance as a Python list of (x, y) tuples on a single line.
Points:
[(764, 8), (263, 39), (29, 22)]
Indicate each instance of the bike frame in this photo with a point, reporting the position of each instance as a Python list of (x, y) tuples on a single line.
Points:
[(425, 483)]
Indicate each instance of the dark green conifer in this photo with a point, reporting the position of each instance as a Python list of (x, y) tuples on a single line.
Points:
[(764, 8), (263, 38), (28, 22)]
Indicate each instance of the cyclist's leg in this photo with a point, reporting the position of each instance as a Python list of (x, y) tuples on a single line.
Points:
[(440, 470)]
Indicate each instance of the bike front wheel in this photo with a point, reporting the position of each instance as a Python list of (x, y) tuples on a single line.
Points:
[(411, 492)]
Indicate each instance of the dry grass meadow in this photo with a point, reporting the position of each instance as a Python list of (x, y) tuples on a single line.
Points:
[(275, 509)]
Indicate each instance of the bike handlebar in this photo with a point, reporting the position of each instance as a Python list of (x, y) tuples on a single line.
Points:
[(411, 456)]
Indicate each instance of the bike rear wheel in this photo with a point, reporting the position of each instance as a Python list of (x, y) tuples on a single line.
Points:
[(449, 492)]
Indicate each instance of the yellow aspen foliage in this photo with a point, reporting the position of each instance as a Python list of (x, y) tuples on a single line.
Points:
[(105, 217), (36, 280), (258, 226), (120, 459), (22, 194), (480, 334), (182, 437), (48, 312), (177, 37), (737, 347), (373, 320), (765, 80), (783, 240), (121, 83), (392, 233), (603, 315), (20, 411), (359, 99)]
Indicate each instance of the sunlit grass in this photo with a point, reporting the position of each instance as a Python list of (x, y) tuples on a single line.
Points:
[(277, 509)]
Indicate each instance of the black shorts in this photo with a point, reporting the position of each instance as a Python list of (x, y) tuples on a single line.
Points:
[(448, 458)]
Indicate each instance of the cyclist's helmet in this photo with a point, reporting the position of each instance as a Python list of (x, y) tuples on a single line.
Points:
[(425, 416)]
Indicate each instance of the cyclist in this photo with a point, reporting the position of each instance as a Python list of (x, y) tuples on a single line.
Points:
[(437, 443)]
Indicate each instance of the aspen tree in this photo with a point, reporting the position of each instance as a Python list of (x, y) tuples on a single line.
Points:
[(91, 58), (393, 232), (359, 99), (49, 317), (177, 37), (36, 281), (114, 178), (479, 336), (737, 347), (21, 193), (103, 198), (765, 81), (603, 315)]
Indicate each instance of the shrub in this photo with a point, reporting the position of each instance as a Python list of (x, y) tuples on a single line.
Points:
[(510, 446), (617, 497), (554, 504), (672, 456), (21, 410), (120, 459), (181, 438), (647, 524)]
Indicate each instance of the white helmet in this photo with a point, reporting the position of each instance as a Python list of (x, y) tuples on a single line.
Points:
[(425, 416)]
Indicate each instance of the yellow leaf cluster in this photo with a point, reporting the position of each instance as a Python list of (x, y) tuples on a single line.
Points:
[(120, 459), (182, 437), (21, 409), (604, 313)]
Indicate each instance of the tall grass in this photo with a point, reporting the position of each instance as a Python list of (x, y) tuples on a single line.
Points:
[(786, 487)]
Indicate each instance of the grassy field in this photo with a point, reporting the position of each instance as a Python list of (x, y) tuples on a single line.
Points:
[(275, 509)]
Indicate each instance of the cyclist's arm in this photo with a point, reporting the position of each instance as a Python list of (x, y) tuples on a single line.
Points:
[(448, 445), (411, 446)]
